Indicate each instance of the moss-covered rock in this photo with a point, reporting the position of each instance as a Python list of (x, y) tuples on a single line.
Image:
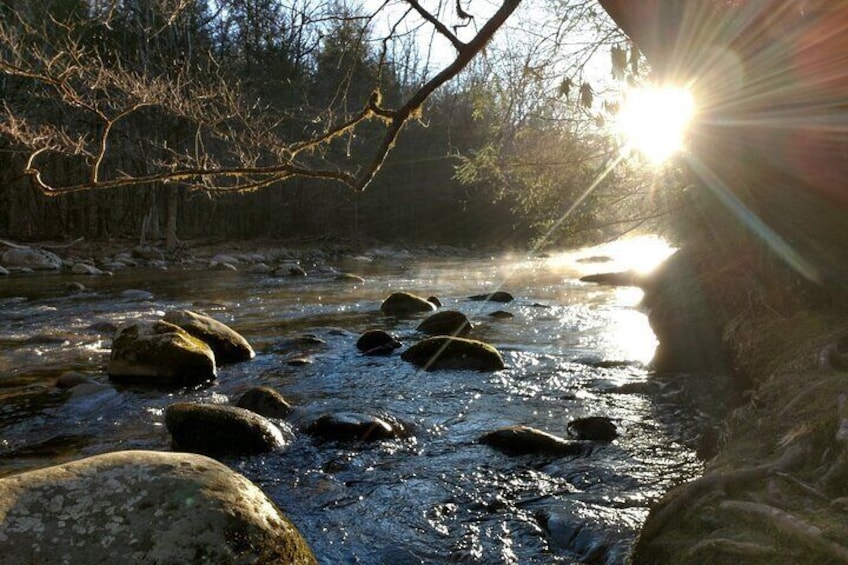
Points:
[(524, 440), (449, 322), (213, 429), (161, 354), (444, 352), (405, 303), (228, 345), (143, 507)]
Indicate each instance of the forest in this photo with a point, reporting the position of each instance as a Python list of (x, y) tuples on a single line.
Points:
[(315, 120)]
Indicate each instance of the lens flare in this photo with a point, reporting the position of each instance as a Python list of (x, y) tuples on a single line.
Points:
[(654, 120)]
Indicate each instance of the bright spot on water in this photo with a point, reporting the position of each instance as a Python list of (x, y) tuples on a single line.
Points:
[(641, 254)]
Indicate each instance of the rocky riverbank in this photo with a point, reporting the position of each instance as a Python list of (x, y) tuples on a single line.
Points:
[(775, 491)]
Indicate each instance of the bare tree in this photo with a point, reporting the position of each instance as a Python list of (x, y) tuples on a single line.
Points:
[(104, 104)]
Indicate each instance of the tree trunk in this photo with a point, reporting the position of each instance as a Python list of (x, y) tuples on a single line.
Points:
[(171, 206)]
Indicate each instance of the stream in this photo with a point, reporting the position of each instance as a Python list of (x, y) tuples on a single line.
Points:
[(572, 349)]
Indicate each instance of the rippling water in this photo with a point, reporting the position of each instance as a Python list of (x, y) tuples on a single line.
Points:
[(572, 350)]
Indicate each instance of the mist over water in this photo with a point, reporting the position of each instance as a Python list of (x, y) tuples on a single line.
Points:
[(572, 349)]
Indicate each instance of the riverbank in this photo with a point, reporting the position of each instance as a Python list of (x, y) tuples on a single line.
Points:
[(777, 490)]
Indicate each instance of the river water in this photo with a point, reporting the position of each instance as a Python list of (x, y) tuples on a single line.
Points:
[(572, 349)]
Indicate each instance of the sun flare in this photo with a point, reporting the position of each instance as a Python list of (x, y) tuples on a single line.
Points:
[(654, 120)]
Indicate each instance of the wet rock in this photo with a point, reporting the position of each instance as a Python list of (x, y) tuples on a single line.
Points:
[(213, 429), (289, 270), (405, 303), (524, 440), (497, 296), (626, 278), (501, 314), (143, 507), (136, 294), (596, 259), (595, 428), (349, 277), (115, 265), (265, 401), (223, 267), (591, 533), (74, 287), (434, 301), (228, 345), (31, 258), (71, 379), (299, 361), (443, 352), (159, 353), (3, 271), (298, 343), (449, 322), (377, 342), (222, 258), (352, 426), (85, 269)]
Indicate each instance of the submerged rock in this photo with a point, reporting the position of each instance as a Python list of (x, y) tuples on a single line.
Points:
[(265, 401), (214, 429), (352, 426), (449, 322), (159, 353), (444, 352), (85, 269), (143, 507), (3, 271), (625, 278), (524, 440), (136, 294), (405, 303), (497, 296), (349, 277), (377, 342), (31, 258), (228, 345), (595, 428), (501, 314)]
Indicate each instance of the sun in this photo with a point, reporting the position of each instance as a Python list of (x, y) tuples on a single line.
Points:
[(654, 120)]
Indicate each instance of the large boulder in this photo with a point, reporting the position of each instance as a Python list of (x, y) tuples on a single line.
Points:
[(228, 345), (524, 440), (143, 507), (405, 303), (444, 352), (31, 258), (449, 322), (159, 353), (213, 429)]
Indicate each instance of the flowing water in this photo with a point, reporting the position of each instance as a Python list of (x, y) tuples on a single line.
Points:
[(572, 349)]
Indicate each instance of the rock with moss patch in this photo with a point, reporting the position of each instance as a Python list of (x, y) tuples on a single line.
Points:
[(444, 352), (213, 429), (352, 426), (404, 304), (524, 440), (377, 342), (265, 401), (159, 353), (143, 507), (227, 344), (449, 322)]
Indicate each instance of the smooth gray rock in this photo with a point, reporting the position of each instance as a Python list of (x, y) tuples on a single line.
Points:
[(85, 269), (213, 429), (159, 353), (31, 258), (143, 507), (227, 344)]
